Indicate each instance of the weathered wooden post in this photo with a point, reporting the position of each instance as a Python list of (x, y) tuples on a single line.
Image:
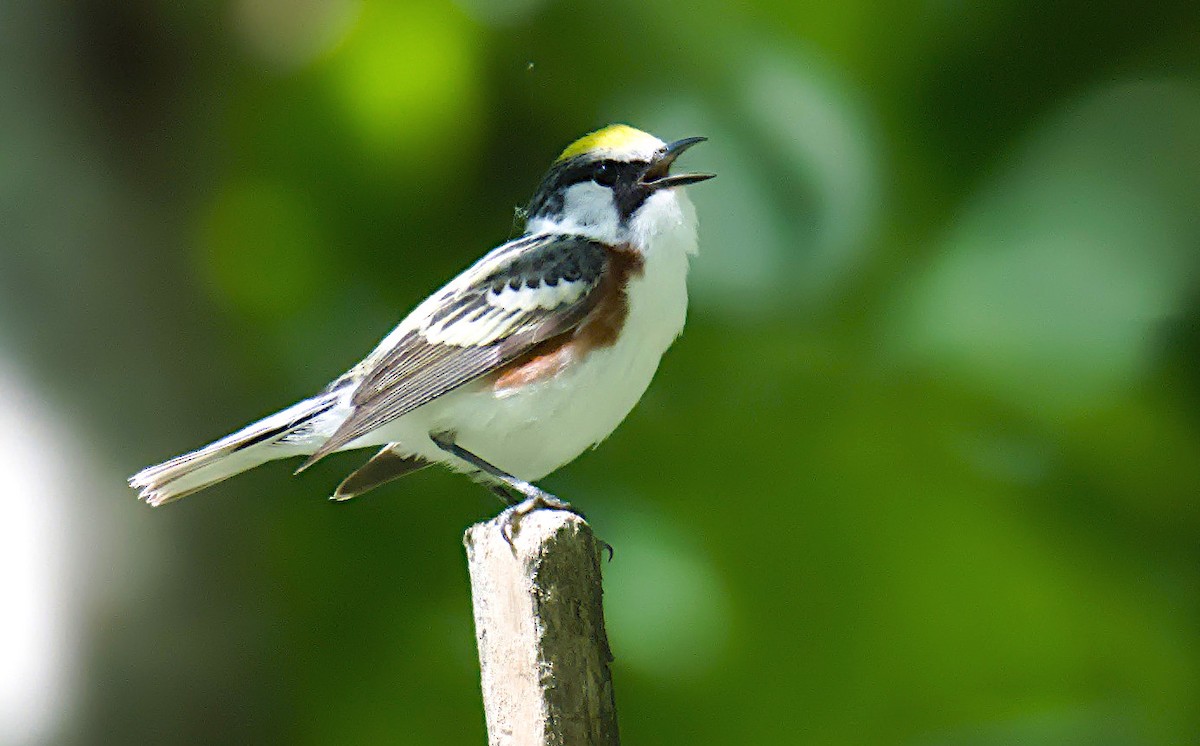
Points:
[(539, 621)]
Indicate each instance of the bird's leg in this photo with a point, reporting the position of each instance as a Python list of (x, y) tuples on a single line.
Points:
[(535, 497), (445, 441), (502, 492)]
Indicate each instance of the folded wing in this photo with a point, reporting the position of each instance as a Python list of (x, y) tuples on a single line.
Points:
[(518, 296)]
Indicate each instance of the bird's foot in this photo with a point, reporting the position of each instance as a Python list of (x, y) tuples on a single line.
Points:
[(510, 519)]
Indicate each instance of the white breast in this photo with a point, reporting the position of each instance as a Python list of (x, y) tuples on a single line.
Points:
[(533, 430)]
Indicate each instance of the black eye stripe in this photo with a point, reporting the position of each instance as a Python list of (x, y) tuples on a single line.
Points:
[(622, 177), (579, 170)]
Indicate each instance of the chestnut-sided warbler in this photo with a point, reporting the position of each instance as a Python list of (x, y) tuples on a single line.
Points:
[(526, 359)]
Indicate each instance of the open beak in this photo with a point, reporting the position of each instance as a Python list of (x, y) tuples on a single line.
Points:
[(658, 176)]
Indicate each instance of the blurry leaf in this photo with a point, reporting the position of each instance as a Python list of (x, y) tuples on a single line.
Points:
[(501, 12), (408, 82), (667, 614), (797, 197), (821, 158), (1052, 284), (289, 33)]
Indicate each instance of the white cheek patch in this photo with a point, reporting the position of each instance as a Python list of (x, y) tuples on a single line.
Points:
[(591, 207)]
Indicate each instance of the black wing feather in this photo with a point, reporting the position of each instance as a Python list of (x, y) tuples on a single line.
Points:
[(417, 370)]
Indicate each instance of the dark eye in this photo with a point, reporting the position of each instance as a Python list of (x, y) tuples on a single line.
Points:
[(604, 174)]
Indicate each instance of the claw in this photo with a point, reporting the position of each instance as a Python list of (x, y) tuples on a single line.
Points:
[(510, 519)]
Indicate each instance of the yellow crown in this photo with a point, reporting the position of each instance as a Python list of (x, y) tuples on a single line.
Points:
[(616, 138)]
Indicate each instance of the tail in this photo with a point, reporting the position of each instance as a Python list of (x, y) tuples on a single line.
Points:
[(281, 435)]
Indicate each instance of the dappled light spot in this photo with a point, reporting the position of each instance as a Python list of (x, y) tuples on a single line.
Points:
[(290, 33), (667, 610), (407, 82), (501, 12), (41, 561), (261, 248)]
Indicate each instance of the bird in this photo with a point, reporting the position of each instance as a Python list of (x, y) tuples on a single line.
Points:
[(529, 357)]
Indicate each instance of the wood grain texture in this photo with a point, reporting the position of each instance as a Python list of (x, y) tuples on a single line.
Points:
[(539, 623)]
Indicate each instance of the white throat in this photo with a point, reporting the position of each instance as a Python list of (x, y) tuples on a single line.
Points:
[(666, 221)]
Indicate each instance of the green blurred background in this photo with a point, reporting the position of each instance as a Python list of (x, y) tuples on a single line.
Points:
[(924, 468)]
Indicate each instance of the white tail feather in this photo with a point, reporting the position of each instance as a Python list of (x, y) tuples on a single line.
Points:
[(265, 440)]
